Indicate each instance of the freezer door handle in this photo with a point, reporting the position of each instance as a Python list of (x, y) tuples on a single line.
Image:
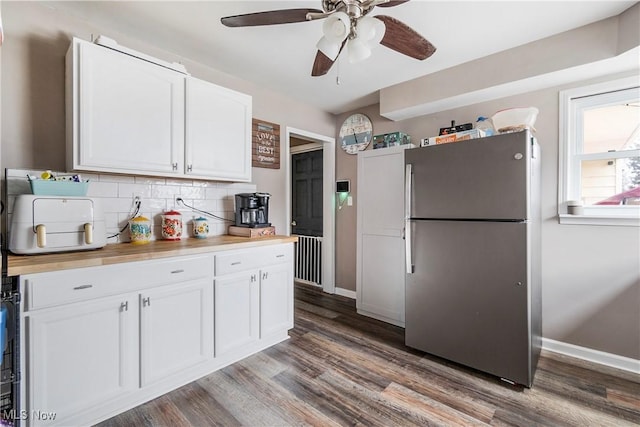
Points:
[(407, 217)]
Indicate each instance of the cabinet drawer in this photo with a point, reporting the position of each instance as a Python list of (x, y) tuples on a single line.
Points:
[(50, 289), (173, 270), (62, 287), (247, 259)]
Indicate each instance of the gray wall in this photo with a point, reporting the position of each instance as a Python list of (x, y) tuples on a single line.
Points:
[(32, 114), (590, 274), (591, 285)]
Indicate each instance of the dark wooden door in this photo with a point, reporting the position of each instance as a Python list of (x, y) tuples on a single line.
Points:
[(306, 193)]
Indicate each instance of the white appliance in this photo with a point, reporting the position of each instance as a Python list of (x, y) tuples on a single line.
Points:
[(42, 224)]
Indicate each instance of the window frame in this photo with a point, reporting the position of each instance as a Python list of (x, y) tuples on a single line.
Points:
[(571, 101)]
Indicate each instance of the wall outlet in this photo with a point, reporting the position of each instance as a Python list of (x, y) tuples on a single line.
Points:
[(136, 198), (177, 199)]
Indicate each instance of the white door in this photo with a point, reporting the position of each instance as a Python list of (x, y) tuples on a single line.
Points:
[(82, 355), (380, 276), (236, 311), (131, 114), (218, 132), (276, 299), (176, 328)]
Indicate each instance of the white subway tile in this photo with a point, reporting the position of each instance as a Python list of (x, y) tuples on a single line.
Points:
[(102, 189), (126, 190), (117, 178)]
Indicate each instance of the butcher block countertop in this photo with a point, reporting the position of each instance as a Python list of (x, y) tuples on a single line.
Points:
[(126, 252)]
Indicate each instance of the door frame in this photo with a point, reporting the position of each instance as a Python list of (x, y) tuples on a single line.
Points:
[(328, 200)]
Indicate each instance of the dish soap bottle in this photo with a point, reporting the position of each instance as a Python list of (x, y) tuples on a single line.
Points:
[(484, 125)]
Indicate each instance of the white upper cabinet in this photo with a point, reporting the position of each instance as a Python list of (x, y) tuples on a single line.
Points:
[(128, 114), (218, 131)]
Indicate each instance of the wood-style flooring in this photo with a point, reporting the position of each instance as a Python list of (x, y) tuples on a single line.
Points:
[(340, 368)]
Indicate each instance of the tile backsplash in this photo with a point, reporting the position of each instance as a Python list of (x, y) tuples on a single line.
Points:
[(158, 195)]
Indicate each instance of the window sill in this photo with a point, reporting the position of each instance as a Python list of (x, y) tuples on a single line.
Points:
[(619, 220)]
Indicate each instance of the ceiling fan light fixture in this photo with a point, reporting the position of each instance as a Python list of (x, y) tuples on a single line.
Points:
[(370, 29), (336, 27), (329, 48), (357, 50)]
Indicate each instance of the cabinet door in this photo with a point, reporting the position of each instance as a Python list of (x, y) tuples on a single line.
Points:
[(218, 132), (130, 114), (276, 299), (176, 328), (82, 355), (381, 286), (236, 311)]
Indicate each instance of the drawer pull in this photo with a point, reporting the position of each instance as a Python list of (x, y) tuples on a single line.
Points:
[(236, 263), (124, 306), (280, 256), (88, 233), (77, 288), (177, 271), (146, 301), (41, 235)]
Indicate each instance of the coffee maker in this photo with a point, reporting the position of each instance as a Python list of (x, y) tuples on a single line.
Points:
[(252, 210)]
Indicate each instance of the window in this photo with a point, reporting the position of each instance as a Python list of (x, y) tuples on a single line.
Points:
[(600, 153)]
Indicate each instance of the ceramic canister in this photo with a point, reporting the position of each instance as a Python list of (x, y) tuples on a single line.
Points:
[(140, 230), (200, 228), (172, 225)]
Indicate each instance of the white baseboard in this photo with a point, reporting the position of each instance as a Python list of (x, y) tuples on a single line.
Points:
[(591, 355), (345, 293)]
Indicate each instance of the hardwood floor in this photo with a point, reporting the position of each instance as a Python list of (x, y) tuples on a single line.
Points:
[(340, 368)]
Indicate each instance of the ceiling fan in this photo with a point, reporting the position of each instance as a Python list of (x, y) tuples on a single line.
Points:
[(346, 25)]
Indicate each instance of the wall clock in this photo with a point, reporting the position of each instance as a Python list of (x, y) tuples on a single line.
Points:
[(356, 133)]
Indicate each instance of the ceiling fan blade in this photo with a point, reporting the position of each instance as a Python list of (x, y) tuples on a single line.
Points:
[(392, 3), (402, 38), (322, 64), (272, 17)]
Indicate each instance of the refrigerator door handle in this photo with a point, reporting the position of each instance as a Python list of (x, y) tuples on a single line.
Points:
[(407, 218)]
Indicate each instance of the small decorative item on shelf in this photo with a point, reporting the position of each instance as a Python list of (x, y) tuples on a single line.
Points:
[(200, 228), (52, 184), (392, 139), (172, 225), (140, 230)]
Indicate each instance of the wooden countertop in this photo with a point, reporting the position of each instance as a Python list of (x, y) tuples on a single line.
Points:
[(126, 252)]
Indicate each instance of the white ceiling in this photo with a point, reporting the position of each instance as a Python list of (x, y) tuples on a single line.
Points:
[(280, 56)]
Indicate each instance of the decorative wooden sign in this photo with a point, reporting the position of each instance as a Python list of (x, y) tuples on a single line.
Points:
[(265, 145)]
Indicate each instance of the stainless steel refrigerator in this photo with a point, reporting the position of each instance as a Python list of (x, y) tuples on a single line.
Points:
[(472, 238)]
